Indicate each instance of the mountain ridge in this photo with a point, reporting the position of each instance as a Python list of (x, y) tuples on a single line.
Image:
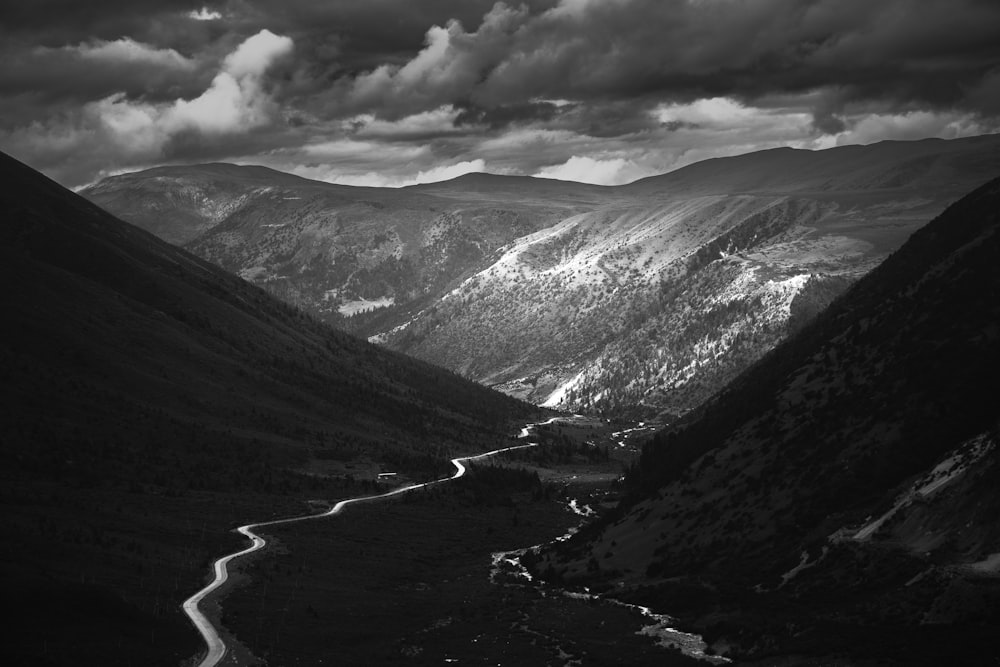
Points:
[(851, 472), (444, 270)]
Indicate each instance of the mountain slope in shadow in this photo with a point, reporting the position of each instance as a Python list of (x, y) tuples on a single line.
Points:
[(151, 401), (838, 500)]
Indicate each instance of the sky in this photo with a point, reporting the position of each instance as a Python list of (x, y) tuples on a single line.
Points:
[(396, 92)]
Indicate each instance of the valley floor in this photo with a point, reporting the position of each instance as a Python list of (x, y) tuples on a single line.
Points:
[(408, 580)]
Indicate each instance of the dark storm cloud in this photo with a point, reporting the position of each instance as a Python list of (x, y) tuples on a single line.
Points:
[(56, 23), (62, 53), (84, 71), (519, 85), (369, 33), (336, 39), (500, 59), (902, 53), (502, 116), (597, 118), (609, 118)]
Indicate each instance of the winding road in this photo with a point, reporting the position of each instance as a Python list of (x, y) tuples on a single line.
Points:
[(217, 647)]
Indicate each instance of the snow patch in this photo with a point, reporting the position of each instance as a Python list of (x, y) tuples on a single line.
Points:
[(804, 564), (581, 510), (558, 396), (786, 290), (944, 472)]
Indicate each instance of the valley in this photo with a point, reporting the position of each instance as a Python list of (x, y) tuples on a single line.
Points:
[(216, 646), (152, 402), (415, 577), (836, 502), (160, 410), (496, 333), (637, 301)]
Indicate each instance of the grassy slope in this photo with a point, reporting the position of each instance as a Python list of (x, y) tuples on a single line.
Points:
[(150, 400), (822, 434)]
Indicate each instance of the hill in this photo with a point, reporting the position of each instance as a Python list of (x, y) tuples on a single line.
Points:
[(653, 300), (632, 301), (150, 400), (351, 256), (837, 501)]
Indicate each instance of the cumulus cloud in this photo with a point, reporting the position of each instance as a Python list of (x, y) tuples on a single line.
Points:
[(716, 112), (234, 102), (256, 54), (365, 154), (898, 52), (420, 126), (449, 66), (127, 50), (94, 68), (602, 90), (125, 129), (726, 117), (910, 126), (204, 14)]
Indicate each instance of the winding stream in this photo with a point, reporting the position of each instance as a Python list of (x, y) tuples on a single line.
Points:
[(215, 645), (505, 562), (661, 630)]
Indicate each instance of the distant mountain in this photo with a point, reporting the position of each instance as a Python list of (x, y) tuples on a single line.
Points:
[(673, 285), (935, 164), (839, 499), (638, 300), (150, 399), (335, 250)]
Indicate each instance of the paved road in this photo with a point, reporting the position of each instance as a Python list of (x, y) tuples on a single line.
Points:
[(217, 647)]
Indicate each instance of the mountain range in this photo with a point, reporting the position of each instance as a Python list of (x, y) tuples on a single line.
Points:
[(638, 300), (151, 399), (837, 503)]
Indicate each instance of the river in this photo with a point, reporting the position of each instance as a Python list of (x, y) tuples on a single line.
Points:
[(215, 646)]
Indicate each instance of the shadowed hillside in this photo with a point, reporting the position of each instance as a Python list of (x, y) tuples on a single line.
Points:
[(839, 498), (150, 400)]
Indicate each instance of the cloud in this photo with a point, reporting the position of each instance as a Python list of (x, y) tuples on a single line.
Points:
[(446, 69), (895, 53), (393, 88), (717, 112), (724, 115), (422, 126), (504, 115), (597, 172), (123, 129), (95, 68), (127, 50), (909, 126), (256, 54), (363, 154), (388, 178), (234, 102), (204, 14)]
